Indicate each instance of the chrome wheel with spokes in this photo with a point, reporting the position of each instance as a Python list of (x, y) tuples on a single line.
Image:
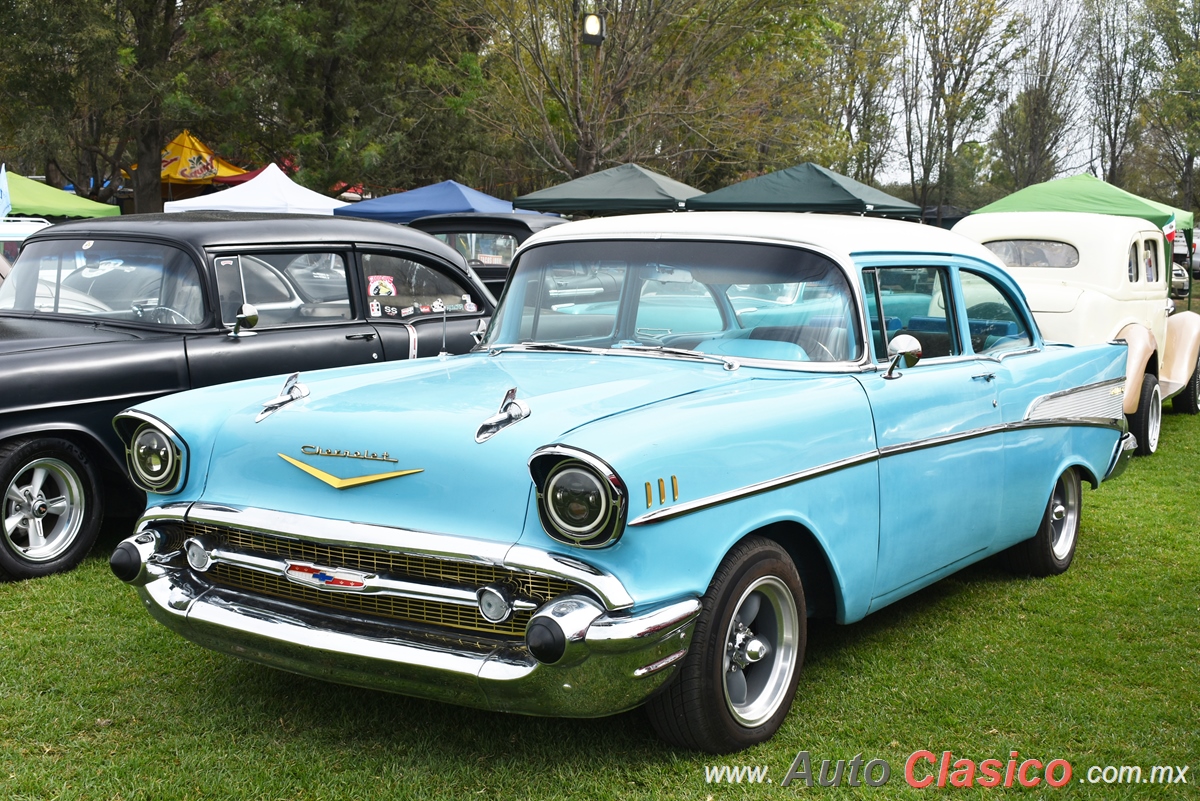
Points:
[(760, 651), (43, 509), (1051, 550), (50, 509), (1062, 515)]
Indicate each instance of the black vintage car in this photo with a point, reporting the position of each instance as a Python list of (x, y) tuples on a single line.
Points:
[(486, 241), (99, 315)]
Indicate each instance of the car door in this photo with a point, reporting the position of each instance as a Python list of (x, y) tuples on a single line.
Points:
[(306, 320), (941, 459), (419, 306)]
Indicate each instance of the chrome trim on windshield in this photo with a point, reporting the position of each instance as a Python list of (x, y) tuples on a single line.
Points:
[(412, 340)]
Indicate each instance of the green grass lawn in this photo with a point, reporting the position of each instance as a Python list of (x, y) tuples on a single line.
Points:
[(1100, 666)]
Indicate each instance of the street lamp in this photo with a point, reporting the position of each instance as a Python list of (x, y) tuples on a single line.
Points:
[(593, 29)]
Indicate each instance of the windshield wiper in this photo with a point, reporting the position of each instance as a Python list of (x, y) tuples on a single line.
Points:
[(545, 346), (730, 364)]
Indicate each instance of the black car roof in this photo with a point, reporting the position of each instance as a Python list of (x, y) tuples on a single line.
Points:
[(209, 229)]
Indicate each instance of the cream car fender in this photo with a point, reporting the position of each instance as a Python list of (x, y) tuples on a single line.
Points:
[(1183, 347), (1142, 346)]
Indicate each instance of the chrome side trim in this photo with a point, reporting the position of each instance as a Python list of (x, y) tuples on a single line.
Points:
[(1099, 400), (449, 547), (717, 499), (412, 340), (659, 515)]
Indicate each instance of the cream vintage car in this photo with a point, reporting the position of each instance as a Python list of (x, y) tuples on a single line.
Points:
[(1093, 278)]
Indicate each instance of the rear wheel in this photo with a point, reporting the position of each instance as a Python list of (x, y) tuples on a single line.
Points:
[(1146, 422), (1188, 401), (50, 512), (738, 680), (1050, 551)]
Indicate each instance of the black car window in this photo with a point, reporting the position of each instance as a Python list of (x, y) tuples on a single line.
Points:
[(137, 282), (402, 288), (286, 288), (482, 250)]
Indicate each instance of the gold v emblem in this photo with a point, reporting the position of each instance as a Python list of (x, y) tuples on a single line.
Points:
[(346, 483)]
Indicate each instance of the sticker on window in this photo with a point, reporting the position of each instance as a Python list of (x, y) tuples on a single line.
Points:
[(381, 286), (376, 309)]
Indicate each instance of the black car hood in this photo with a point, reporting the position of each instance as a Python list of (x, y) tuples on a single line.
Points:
[(19, 334)]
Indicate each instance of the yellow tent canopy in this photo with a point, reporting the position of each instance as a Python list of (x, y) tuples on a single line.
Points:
[(187, 160)]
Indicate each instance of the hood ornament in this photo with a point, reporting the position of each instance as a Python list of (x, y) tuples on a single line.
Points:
[(511, 411), (292, 390), (347, 483)]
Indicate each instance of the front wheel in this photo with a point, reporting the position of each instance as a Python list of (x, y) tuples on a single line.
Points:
[(1050, 551), (50, 513), (738, 680), (1146, 422)]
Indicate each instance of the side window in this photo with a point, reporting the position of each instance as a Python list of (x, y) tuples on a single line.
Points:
[(482, 250), (1151, 248), (402, 288), (287, 288), (992, 320), (912, 300), (1133, 263)]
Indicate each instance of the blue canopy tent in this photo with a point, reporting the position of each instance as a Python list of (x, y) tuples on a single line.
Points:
[(444, 198)]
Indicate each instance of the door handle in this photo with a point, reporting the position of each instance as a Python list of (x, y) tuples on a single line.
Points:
[(366, 337), (984, 377)]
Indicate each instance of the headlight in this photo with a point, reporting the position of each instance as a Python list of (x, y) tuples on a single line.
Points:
[(154, 454), (581, 500)]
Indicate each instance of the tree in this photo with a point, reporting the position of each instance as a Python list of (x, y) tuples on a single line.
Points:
[(676, 83), (957, 52), (1036, 128), (1118, 46), (1174, 119), (864, 46)]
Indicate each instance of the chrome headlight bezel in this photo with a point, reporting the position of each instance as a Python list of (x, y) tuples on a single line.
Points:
[(555, 463), (132, 426)]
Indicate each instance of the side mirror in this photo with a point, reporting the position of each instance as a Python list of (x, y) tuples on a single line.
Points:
[(906, 349), (247, 317)]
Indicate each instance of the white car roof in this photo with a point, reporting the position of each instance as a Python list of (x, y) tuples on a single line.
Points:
[(1095, 236), (15, 229), (839, 234)]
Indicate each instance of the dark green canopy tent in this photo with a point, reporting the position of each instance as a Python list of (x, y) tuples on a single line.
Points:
[(805, 187), (1089, 194), (627, 188)]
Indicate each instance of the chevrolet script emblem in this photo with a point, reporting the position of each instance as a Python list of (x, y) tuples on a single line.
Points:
[(346, 483)]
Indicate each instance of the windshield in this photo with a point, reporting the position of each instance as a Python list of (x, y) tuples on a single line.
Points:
[(123, 281), (729, 299)]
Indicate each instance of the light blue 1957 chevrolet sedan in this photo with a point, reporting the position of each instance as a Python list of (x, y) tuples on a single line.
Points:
[(680, 437)]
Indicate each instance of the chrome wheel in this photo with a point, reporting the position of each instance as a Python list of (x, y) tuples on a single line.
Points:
[(761, 648), (1154, 419), (43, 510), (1063, 515)]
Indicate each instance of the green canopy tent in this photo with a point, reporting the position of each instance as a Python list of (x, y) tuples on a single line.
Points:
[(38, 200), (1089, 194), (805, 187), (627, 188)]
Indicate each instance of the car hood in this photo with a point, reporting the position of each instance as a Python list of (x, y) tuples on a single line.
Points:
[(421, 416), (19, 334)]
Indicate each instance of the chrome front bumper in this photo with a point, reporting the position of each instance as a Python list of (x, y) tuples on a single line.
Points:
[(611, 659)]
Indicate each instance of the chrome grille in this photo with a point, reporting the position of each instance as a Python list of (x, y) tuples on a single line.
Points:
[(538, 589)]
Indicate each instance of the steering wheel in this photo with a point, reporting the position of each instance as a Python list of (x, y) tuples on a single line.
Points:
[(991, 310), (163, 315)]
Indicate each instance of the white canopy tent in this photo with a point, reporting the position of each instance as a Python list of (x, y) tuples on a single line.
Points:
[(270, 191)]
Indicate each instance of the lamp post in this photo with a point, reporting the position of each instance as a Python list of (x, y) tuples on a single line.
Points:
[(594, 29)]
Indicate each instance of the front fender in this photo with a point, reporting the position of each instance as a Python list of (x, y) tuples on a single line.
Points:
[(1142, 346), (1182, 350)]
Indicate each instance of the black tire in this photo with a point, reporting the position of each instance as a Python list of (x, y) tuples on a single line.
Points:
[(1188, 400), (699, 708), (50, 510), (1146, 422), (1050, 551)]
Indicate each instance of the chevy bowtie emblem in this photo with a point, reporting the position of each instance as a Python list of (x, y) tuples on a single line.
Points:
[(328, 577), (346, 483)]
